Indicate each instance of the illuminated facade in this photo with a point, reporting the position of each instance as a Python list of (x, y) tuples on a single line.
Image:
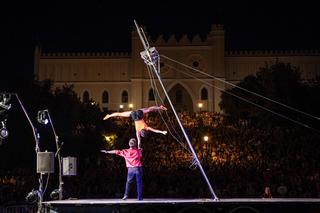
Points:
[(120, 79)]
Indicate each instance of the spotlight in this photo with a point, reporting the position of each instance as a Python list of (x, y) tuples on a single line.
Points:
[(3, 131), (55, 194), (42, 117), (33, 196), (4, 99)]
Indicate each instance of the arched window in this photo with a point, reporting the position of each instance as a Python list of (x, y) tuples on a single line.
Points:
[(124, 97), (105, 97), (179, 96), (85, 96), (151, 95), (204, 94)]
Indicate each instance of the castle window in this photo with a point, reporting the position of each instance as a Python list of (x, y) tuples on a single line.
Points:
[(204, 94), (105, 97), (179, 96), (85, 96), (124, 97), (195, 64), (151, 95)]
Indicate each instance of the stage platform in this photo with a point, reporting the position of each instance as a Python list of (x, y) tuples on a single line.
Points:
[(235, 205)]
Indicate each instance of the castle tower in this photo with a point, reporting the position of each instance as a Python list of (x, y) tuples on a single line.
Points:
[(217, 42)]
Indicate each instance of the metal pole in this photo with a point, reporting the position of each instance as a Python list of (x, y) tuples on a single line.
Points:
[(37, 149), (58, 156), (152, 65), (187, 138)]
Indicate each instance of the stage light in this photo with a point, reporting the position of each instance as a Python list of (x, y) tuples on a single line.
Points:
[(55, 194), (4, 99), (3, 131), (42, 117), (33, 196)]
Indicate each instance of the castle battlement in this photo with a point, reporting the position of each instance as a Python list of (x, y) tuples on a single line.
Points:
[(86, 55), (183, 41), (243, 53)]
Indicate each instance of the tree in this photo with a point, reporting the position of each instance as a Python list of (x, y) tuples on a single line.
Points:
[(277, 81), (78, 125)]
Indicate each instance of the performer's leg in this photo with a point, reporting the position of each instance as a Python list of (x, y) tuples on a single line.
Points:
[(130, 177), (156, 130), (139, 182), (118, 114)]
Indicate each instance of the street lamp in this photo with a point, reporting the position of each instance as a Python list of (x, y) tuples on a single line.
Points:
[(121, 107), (200, 105), (130, 106)]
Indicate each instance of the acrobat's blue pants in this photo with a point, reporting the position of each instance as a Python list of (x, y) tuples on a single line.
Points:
[(134, 172)]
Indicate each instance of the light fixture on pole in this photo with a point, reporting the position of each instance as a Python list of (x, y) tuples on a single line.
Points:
[(200, 105), (33, 196), (4, 106), (4, 99), (3, 131), (121, 108), (45, 118), (42, 117)]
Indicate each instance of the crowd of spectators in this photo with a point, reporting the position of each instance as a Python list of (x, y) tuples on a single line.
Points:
[(240, 159)]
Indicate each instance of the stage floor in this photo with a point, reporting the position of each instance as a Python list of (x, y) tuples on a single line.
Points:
[(234, 205), (177, 201)]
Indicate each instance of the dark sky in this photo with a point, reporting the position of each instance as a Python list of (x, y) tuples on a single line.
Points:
[(103, 25)]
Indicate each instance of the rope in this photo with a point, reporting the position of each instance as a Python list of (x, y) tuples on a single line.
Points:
[(154, 88), (241, 88), (248, 101)]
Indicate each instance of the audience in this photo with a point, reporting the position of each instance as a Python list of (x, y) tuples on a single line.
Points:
[(240, 160)]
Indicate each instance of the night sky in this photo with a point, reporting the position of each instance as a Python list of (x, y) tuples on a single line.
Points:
[(101, 25)]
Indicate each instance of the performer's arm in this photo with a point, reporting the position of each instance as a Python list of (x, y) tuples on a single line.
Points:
[(153, 108), (139, 139), (109, 152), (120, 114)]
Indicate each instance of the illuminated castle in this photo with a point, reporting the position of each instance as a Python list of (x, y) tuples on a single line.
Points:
[(116, 80)]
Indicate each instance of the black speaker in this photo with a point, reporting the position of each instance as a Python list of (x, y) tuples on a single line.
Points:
[(45, 162)]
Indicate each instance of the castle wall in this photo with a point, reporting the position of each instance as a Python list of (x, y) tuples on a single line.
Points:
[(118, 72)]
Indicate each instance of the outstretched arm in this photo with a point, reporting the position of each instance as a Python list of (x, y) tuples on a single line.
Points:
[(109, 152), (120, 114), (138, 139), (153, 108)]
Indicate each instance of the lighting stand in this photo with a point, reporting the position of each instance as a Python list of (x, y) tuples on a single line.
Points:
[(37, 149), (57, 154)]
